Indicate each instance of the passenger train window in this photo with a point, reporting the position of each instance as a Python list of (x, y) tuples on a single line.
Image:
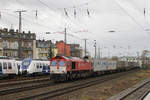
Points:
[(4, 65), (40, 65), (0, 66), (9, 66)]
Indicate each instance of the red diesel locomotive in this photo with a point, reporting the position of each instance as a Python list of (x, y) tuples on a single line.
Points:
[(69, 68)]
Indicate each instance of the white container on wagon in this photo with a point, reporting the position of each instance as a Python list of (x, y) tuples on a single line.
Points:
[(99, 65), (111, 65)]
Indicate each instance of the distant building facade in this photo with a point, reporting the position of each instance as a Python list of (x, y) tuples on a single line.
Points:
[(75, 50), (1, 47), (42, 49), (15, 44), (63, 49)]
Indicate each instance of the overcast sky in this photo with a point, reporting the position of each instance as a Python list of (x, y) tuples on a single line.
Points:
[(125, 17)]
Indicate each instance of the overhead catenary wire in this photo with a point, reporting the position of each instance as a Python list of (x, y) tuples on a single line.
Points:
[(27, 20), (66, 13), (132, 18), (42, 25)]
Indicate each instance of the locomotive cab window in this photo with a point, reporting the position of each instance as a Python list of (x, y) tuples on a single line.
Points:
[(62, 63), (54, 63), (73, 65), (9, 66), (4, 65), (0, 66)]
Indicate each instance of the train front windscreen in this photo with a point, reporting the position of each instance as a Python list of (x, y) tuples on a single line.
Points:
[(26, 63)]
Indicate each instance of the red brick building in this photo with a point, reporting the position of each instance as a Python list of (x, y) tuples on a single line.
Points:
[(61, 50)]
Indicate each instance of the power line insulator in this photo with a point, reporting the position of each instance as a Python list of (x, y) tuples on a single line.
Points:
[(66, 13), (75, 13), (88, 12)]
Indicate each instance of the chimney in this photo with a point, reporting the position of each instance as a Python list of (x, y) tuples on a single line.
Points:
[(17, 31), (5, 29), (11, 30)]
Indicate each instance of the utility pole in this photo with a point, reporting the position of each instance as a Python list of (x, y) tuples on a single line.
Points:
[(20, 40), (99, 52), (95, 48), (85, 47), (65, 41), (20, 19), (138, 58)]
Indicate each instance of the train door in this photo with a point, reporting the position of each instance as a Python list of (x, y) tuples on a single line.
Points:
[(41, 67), (45, 68), (10, 69), (1, 68), (48, 66), (18, 66), (5, 67), (73, 65)]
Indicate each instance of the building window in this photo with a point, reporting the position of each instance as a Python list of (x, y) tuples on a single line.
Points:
[(30, 44), (15, 45), (22, 43)]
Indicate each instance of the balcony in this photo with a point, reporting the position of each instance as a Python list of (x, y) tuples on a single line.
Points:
[(8, 48), (27, 48), (43, 51)]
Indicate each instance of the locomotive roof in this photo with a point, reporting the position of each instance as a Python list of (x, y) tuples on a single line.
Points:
[(67, 58), (36, 59)]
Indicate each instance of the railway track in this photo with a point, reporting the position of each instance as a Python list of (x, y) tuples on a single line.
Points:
[(74, 87), (24, 88), (20, 78), (12, 83), (138, 93)]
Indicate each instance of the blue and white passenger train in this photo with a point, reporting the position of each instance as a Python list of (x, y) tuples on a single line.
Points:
[(31, 66), (9, 67)]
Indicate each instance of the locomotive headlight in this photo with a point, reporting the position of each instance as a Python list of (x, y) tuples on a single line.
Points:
[(28, 70)]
